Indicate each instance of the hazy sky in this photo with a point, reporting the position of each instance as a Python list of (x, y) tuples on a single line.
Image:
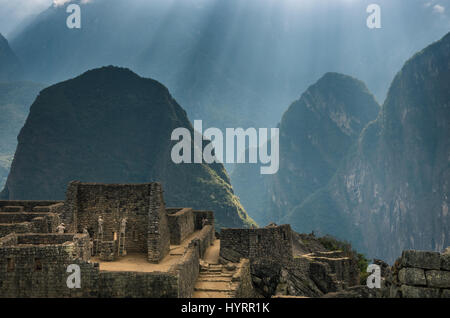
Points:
[(14, 12)]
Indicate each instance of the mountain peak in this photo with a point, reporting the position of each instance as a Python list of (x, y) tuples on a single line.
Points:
[(10, 67), (110, 125), (113, 76), (315, 134)]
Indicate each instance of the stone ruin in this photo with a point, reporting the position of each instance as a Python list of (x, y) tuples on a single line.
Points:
[(421, 274), (123, 238), (127, 243), (279, 270)]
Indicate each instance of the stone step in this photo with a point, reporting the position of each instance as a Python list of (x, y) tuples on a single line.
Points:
[(12, 208), (210, 270), (215, 274), (216, 269), (213, 286), (207, 274), (209, 294), (214, 279)]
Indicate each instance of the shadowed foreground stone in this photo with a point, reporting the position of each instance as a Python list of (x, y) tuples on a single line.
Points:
[(445, 261), (412, 276), (419, 292), (439, 279), (421, 259)]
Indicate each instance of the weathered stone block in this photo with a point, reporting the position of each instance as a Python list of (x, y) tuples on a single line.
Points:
[(107, 251), (445, 262), (419, 292), (445, 293), (421, 259), (394, 292), (439, 279), (412, 276)]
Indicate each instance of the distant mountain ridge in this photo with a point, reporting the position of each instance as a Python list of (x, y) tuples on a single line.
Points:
[(15, 101), (10, 66), (225, 69), (316, 133), (109, 125), (392, 191)]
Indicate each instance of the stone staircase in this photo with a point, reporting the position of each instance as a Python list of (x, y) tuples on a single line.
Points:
[(215, 281)]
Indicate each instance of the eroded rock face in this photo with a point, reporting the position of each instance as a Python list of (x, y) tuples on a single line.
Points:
[(355, 292), (111, 126), (10, 67), (315, 134), (309, 271), (392, 191), (15, 101)]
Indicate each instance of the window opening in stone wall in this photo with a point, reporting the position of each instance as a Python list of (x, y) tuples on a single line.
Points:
[(10, 265), (37, 264)]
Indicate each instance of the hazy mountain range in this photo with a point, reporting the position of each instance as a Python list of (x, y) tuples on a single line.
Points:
[(374, 175), (231, 63), (111, 126), (380, 182)]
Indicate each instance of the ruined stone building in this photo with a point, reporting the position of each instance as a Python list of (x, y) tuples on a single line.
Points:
[(124, 242), (278, 269), (123, 238)]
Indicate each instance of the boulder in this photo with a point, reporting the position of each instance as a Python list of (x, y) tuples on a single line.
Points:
[(439, 279), (356, 292), (421, 259), (419, 292), (445, 261), (412, 276)]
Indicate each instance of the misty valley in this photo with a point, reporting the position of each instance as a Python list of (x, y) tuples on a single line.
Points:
[(225, 149)]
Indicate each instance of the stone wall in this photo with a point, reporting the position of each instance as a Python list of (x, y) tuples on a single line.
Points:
[(8, 240), (28, 222), (187, 269), (86, 202), (141, 204), (137, 285), (24, 205), (158, 238), (29, 216), (107, 250), (25, 227), (273, 243), (243, 279), (181, 225), (421, 274), (34, 266), (344, 268), (70, 212), (206, 237), (199, 215)]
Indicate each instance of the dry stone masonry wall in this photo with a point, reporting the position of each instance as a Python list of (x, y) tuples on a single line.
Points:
[(421, 274)]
